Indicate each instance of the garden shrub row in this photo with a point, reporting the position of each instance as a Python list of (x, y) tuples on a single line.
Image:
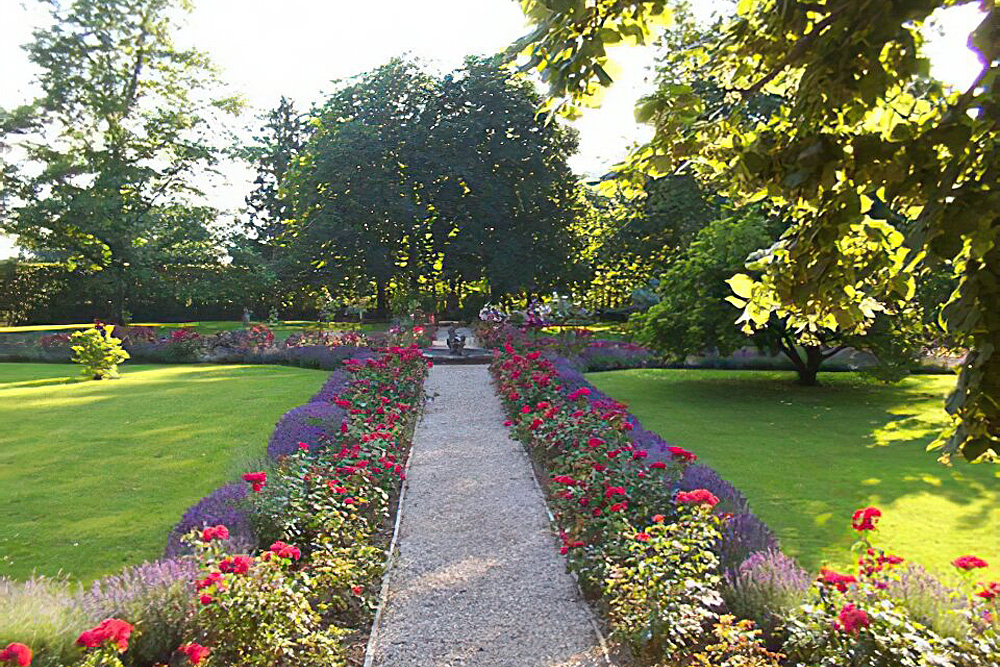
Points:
[(324, 350), (686, 574), (279, 569)]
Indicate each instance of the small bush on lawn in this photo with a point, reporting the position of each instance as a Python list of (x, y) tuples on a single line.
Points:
[(98, 351)]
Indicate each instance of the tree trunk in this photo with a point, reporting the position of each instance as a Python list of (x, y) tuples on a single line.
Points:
[(810, 369), (381, 300), (807, 367)]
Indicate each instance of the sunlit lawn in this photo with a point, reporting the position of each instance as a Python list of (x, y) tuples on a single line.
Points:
[(94, 474), (808, 457)]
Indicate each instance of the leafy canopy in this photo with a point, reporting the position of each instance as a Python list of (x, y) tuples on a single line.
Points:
[(882, 172)]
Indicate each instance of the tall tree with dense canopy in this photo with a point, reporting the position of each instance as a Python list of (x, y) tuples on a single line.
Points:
[(882, 172), (414, 182), (114, 144)]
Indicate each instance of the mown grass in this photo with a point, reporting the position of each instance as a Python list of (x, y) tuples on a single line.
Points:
[(94, 474), (807, 457)]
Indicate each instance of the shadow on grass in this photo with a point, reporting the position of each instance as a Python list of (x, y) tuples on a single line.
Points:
[(47, 382)]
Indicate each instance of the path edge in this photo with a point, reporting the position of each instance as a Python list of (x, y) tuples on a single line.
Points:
[(383, 596), (591, 616)]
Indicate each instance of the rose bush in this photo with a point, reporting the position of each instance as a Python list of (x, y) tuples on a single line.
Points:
[(666, 547), (324, 508)]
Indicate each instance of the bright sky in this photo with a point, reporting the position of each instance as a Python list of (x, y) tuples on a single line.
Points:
[(269, 48)]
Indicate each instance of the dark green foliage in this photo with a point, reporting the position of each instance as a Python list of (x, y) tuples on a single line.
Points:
[(410, 182), (120, 130)]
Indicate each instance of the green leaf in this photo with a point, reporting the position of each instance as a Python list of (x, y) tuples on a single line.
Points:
[(742, 285)]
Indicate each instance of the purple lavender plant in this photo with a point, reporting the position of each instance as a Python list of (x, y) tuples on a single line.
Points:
[(765, 587), (222, 506), (309, 423), (156, 596)]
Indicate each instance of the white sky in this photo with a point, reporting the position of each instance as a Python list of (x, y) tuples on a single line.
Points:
[(269, 48)]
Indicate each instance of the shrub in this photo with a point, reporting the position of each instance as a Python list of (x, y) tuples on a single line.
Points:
[(861, 620), (255, 612), (307, 424), (98, 352), (223, 506), (667, 589), (156, 597), (945, 610), (765, 588), (739, 645), (40, 612)]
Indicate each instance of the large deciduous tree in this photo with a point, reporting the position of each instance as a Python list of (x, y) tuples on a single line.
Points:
[(114, 145), (883, 173), (420, 182)]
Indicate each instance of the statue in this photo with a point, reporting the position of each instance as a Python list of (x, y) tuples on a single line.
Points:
[(456, 341)]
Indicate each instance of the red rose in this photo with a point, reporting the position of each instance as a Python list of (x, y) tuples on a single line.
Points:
[(851, 619), (357, 590), (219, 532), (865, 518), (303, 447), (658, 465), (614, 491), (658, 518), (990, 591), (696, 497), (642, 537), (194, 652), (206, 599), (256, 479), (969, 563), (17, 654), (236, 564), (618, 507), (113, 630), (282, 550), (681, 453), (835, 579)]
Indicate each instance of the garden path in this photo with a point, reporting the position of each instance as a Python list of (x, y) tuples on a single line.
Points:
[(478, 579)]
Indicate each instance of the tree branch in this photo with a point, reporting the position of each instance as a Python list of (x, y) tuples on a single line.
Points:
[(798, 50)]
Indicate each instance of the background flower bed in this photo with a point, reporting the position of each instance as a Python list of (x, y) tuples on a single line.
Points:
[(332, 603), (662, 577)]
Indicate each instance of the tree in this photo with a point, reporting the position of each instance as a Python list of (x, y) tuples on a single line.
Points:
[(118, 137), (508, 200), (278, 143), (694, 313), (411, 183), (859, 131)]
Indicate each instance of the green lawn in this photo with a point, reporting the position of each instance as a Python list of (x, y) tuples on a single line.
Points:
[(807, 457), (94, 474)]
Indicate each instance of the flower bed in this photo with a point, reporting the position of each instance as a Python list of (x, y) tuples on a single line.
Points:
[(667, 550), (285, 563)]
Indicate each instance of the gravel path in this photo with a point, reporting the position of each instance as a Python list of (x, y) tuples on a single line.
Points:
[(478, 579)]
